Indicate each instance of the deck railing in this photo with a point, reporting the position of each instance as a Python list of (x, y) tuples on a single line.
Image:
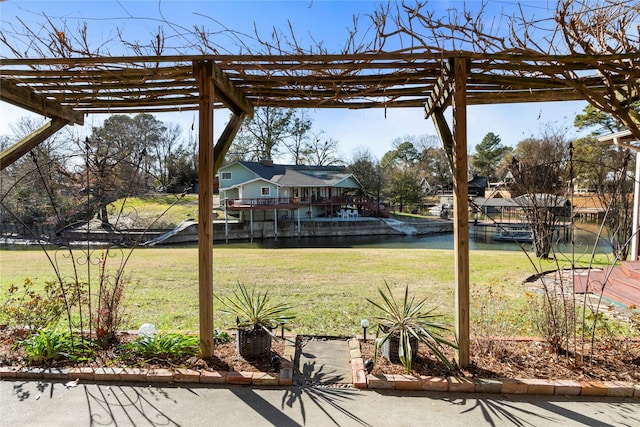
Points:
[(262, 202), (367, 206)]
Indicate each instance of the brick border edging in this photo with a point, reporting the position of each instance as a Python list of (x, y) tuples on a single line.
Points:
[(160, 376), (362, 380)]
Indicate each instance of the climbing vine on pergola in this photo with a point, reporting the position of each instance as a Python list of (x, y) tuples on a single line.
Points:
[(415, 60)]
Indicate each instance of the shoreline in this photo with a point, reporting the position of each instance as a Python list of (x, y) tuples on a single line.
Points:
[(187, 232)]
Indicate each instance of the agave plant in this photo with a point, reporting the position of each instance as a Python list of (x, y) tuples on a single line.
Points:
[(254, 309), (409, 321)]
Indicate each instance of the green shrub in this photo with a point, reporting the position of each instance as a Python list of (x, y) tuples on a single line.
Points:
[(221, 337), (32, 310), (48, 344), (163, 346)]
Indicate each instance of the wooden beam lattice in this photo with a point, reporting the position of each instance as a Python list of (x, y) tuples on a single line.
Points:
[(229, 94), (382, 80)]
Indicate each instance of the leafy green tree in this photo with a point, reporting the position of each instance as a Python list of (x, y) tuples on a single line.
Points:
[(435, 165), (403, 188), (116, 158), (366, 169), (488, 155), (401, 174), (590, 162), (597, 120), (607, 170)]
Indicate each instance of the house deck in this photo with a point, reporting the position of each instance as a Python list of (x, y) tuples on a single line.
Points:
[(618, 283), (363, 205)]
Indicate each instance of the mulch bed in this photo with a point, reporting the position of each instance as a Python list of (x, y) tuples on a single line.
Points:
[(225, 357), (613, 360), (526, 358)]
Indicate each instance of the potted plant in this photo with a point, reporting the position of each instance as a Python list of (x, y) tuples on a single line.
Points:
[(256, 317), (402, 326)]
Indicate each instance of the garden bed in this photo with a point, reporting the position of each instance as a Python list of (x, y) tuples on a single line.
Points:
[(225, 357), (613, 360)]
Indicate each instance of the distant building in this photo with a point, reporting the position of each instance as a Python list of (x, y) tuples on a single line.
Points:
[(478, 185), (291, 191)]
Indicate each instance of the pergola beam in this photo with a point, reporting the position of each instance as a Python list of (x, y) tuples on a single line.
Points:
[(454, 87), (28, 143), (26, 98), (441, 94), (212, 83), (229, 94), (225, 140), (444, 133)]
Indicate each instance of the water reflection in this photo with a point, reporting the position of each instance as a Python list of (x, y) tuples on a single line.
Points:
[(436, 241)]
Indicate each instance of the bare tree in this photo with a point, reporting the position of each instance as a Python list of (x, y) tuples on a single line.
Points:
[(539, 178), (322, 151), (165, 151), (298, 143), (263, 136)]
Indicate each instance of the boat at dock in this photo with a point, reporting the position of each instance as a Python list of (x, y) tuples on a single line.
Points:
[(513, 234)]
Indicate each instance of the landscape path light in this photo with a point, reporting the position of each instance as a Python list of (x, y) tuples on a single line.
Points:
[(364, 323), (282, 322)]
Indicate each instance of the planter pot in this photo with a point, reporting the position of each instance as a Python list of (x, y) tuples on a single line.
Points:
[(252, 342), (390, 348)]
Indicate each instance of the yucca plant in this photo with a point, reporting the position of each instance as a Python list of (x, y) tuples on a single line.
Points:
[(254, 309), (256, 317), (409, 321)]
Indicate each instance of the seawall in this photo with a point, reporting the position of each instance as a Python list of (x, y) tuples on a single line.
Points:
[(187, 233)]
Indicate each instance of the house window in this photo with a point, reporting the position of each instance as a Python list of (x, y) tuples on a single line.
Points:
[(226, 175), (265, 191)]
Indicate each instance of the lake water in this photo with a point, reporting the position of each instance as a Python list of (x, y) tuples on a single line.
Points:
[(482, 241)]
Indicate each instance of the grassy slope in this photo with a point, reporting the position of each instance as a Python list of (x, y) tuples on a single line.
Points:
[(329, 287), (156, 210)]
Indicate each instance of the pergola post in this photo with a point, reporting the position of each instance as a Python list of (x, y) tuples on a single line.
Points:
[(203, 72), (461, 208)]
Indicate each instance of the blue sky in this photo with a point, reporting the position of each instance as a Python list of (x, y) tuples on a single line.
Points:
[(312, 20)]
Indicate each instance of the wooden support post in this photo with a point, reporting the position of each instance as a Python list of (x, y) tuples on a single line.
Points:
[(444, 133), (461, 209), (225, 140), (31, 141), (203, 72)]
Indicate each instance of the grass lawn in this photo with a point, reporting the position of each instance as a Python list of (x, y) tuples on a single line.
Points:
[(328, 287), (156, 210)]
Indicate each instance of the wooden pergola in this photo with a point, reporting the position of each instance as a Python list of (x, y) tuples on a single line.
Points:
[(67, 89)]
